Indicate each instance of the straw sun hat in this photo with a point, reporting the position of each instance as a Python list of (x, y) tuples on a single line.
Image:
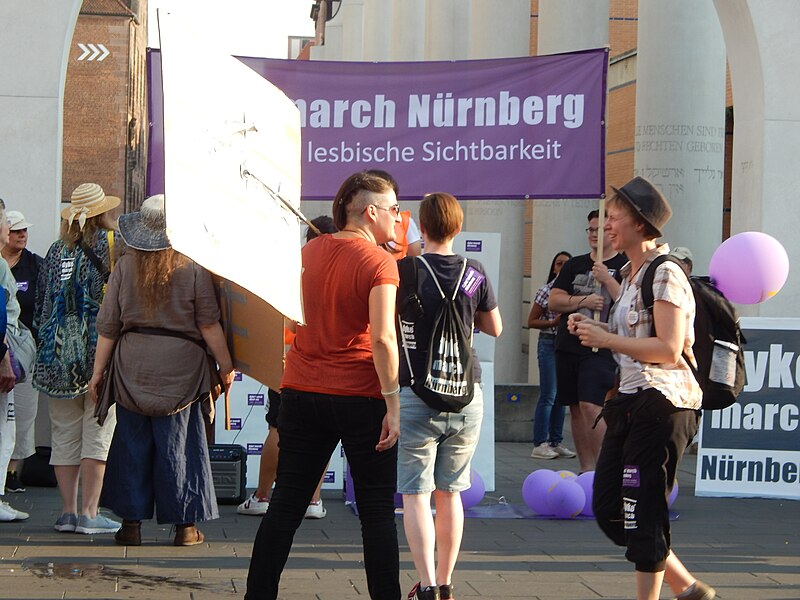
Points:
[(146, 229), (88, 200)]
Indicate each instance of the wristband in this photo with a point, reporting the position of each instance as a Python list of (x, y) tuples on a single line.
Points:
[(391, 393)]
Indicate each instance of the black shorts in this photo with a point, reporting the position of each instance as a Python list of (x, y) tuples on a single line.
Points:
[(274, 408), (584, 377)]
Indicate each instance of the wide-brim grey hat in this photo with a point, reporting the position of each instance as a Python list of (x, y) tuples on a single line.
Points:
[(146, 229), (647, 202)]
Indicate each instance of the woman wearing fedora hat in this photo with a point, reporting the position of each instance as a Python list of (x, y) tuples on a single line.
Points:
[(71, 286), (654, 415), (159, 317)]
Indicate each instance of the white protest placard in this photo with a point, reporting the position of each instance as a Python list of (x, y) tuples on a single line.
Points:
[(232, 145)]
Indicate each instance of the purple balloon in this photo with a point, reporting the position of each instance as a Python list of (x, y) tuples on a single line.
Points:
[(586, 481), (566, 499), (673, 493), (473, 496), (749, 267), (535, 488)]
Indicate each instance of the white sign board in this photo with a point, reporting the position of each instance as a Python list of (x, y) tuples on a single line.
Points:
[(231, 146), (485, 248)]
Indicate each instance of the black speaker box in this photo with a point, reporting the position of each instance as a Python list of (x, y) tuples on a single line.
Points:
[(229, 471)]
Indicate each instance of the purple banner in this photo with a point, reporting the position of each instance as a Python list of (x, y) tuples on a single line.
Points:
[(503, 128)]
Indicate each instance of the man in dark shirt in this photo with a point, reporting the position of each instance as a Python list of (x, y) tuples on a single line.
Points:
[(584, 376)]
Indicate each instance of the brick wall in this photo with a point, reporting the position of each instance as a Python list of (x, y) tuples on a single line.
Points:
[(105, 118), (96, 107)]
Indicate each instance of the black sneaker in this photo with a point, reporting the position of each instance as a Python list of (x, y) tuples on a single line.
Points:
[(13, 484)]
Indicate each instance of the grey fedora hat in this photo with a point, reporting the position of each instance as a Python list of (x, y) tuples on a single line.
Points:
[(647, 202), (146, 229)]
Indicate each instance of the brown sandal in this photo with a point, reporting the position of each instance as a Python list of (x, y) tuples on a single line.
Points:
[(188, 535)]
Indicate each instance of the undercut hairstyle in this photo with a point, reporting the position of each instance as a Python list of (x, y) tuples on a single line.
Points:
[(617, 201), (343, 205), (440, 216), (388, 177), (154, 271)]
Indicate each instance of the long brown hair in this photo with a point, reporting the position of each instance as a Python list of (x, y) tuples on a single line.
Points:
[(72, 235), (154, 271)]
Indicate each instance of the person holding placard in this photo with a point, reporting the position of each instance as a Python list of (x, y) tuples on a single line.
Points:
[(586, 283), (159, 321)]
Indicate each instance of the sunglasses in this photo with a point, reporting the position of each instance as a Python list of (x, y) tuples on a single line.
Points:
[(394, 208)]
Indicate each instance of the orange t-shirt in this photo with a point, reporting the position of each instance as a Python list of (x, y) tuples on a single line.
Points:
[(332, 353)]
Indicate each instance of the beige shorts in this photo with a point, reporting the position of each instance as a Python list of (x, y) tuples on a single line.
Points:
[(75, 432)]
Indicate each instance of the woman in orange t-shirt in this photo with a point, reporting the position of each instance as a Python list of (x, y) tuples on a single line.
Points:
[(341, 383)]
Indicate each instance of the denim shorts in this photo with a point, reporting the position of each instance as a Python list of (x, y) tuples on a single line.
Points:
[(435, 448)]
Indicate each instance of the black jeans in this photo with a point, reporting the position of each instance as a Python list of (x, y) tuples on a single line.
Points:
[(310, 426), (645, 439)]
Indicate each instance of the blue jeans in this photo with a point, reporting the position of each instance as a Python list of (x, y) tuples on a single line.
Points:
[(548, 419), (310, 426)]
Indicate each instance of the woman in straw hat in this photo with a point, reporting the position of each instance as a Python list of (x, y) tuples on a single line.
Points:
[(68, 297), (655, 412), (159, 317)]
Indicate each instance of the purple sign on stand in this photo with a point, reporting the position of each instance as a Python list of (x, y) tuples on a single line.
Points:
[(255, 399), (254, 448), (473, 246), (528, 127)]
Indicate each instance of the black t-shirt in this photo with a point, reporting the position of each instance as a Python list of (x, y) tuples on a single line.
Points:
[(475, 294), (576, 279), (26, 272)]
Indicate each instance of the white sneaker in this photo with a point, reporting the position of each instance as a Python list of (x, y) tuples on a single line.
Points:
[(315, 510), (544, 451), (9, 513), (253, 506), (563, 451)]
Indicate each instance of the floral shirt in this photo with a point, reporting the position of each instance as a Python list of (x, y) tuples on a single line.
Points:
[(631, 318)]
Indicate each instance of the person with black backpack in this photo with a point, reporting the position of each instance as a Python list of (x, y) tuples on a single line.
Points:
[(441, 299), (655, 412)]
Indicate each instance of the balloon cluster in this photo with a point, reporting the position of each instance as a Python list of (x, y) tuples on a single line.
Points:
[(563, 494)]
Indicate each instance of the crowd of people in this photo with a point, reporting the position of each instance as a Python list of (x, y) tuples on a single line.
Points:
[(96, 327)]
